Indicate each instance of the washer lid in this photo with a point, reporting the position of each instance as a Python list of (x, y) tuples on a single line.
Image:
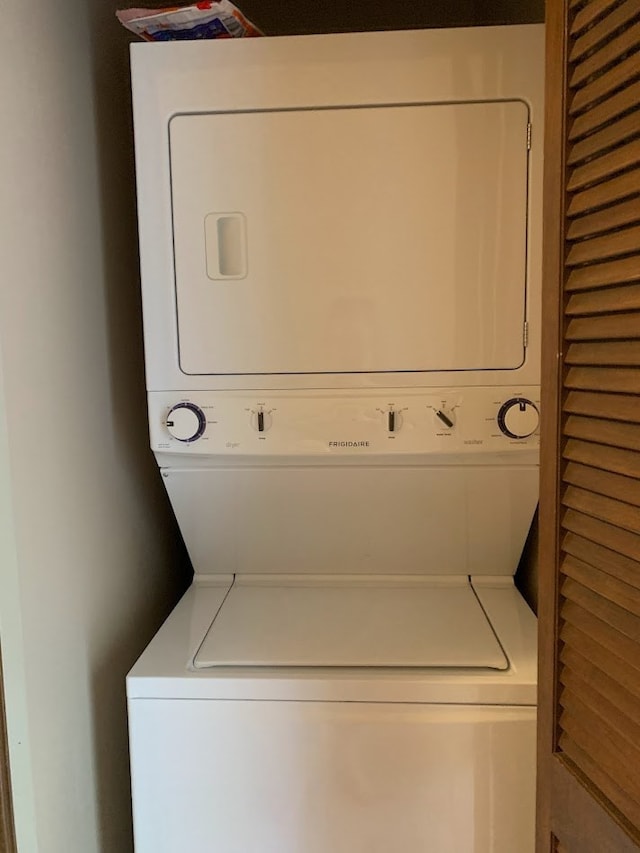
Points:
[(348, 621)]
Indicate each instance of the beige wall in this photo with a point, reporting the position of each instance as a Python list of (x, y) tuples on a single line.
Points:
[(87, 547)]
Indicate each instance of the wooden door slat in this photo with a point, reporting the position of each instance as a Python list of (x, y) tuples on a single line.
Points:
[(576, 691), (624, 242), (629, 39), (624, 101), (604, 29), (609, 136), (608, 327), (610, 81), (620, 799), (619, 644), (586, 743), (608, 379), (589, 14), (605, 586), (616, 486), (606, 509), (604, 275), (622, 353), (612, 739), (609, 300), (613, 379), (611, 433), (617, 565), (579, 667), (599, 741), (608, 192), (601, 657), (608, 219), (599, 456), (584, 608), (614, 538), (617, 407), (579, 600), (618, 160)]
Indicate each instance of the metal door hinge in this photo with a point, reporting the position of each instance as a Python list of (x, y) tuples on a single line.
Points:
[(529, 136), (525, 334)]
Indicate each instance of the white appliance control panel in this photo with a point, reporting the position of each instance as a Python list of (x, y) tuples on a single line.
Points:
[(460, 420)]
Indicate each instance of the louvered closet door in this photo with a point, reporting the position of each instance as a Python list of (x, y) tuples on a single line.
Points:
[(589, 736)]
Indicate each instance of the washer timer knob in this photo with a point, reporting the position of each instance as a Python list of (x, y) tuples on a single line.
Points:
[(518, 418), (186, 422)]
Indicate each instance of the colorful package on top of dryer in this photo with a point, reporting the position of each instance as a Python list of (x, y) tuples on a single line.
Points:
[(210, 19)]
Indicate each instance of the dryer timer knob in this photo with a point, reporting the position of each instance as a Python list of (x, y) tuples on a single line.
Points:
[(518, 418), (186, 422)]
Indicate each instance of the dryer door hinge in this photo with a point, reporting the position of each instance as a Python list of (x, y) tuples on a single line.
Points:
[(525, 334), (529, 136)]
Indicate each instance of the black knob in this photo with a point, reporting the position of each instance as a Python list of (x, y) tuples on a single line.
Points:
[(518, 418)]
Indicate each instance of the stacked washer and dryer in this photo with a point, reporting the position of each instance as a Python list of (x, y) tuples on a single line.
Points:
[(340, 247)]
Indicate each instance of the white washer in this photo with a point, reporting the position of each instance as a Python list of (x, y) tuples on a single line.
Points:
[(340, 253), (352, 760)]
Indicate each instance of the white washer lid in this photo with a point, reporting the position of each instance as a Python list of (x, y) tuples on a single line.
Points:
[(348, 621)]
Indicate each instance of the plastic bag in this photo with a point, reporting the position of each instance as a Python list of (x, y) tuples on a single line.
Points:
[(212, 19)]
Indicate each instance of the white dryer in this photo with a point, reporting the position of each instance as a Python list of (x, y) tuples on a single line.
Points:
[(340, 251)]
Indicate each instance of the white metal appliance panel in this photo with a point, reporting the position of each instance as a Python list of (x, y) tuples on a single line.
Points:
[(287, 777), (375, 239), (358, 520), (350, 622), (350, 424)]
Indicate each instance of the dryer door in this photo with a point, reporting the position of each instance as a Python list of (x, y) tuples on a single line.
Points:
[(365, 239)]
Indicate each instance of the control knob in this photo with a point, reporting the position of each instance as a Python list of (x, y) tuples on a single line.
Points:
[(444, 417), (518, 418), (186, 422), (394, 420), (261, 420)]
